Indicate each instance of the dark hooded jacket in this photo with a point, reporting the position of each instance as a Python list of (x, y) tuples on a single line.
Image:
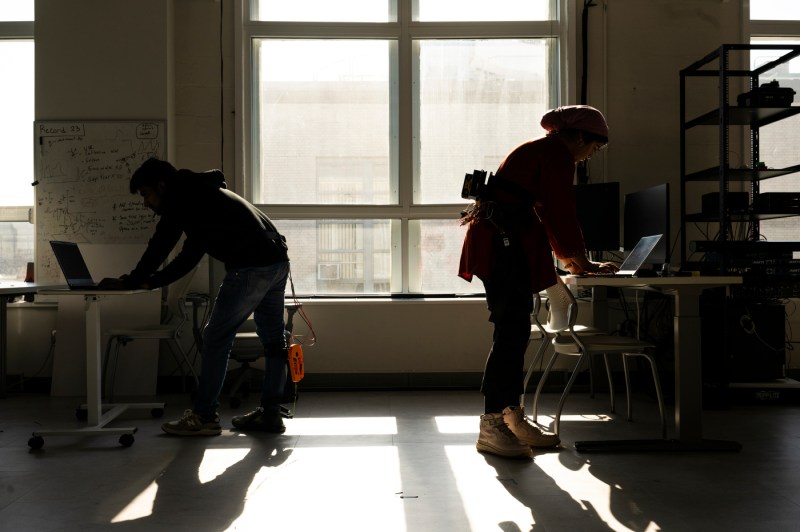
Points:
[(215, 221)]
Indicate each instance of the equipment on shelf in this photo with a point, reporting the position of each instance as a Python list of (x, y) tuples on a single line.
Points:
[(777, 203), (769, 94), (734, 201)]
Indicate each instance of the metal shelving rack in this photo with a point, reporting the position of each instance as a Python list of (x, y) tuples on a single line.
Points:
[(724, 117)]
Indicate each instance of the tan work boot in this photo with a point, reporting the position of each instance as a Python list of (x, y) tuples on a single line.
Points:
[(526, 431), (496, 438)]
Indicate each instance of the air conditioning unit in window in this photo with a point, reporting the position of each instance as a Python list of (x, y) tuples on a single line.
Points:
[(328, 271)]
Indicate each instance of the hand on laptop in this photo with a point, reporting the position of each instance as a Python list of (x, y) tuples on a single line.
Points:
[(580, 265), (607, 267), (121, 283), (112, 283)]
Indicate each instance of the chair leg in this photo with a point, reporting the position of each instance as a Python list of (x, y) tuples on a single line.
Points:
[(544, 343), (626, 372), (564, 395), (610, 382), (540, 386), (659, 395), (175, 348)]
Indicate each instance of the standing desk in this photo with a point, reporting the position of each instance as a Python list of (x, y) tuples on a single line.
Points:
[(97, 419), (688, 362), (8, 291)]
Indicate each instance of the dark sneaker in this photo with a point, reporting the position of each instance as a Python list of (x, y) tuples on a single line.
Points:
[(192, 424), (259, 420)]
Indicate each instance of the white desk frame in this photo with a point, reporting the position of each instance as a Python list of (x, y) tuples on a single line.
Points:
[(97, 419), (688, 360)]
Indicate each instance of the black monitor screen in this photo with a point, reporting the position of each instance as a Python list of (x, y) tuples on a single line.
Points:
[(597, 205), (647, 213)]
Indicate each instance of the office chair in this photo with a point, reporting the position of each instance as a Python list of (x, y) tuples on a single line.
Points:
[(545, 332), (246, 350), (174, 316), (584, 346)]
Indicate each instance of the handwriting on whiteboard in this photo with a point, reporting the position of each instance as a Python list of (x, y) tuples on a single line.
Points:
[(83, 170)]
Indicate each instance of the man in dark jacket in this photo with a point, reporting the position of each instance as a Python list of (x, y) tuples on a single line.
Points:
[(230, 229)]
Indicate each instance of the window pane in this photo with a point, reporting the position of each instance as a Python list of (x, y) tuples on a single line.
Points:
[(340, 256), (774, 10), (478, 100), (16, 249), (435, 254), (778, 141), (16, 135), (324, 10), (481, 10), (16, 10), (325, 130)]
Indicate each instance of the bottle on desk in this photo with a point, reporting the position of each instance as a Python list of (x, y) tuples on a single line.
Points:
[(29, 279)]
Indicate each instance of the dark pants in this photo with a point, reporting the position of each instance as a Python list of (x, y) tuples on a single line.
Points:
[(258, 291), (510, 301)]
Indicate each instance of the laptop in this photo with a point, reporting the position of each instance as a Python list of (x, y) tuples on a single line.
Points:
[(638, 255), (73, 266)]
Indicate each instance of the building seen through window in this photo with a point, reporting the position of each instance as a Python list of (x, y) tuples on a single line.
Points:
[(17, 112), (359, 152), (778, 141)]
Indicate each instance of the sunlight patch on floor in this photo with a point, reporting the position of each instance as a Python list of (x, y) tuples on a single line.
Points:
[(316, 486), (141, 506), (216, 461), (341, 426), (457, 424), (482, 494)]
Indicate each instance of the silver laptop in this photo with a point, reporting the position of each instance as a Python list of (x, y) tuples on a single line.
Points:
[(72, 265), (636, 258)]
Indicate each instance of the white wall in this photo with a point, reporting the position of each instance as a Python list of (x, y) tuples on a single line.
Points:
[(161, 59)]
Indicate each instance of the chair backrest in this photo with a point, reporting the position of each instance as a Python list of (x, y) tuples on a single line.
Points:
[(563, 307), (537, 306)]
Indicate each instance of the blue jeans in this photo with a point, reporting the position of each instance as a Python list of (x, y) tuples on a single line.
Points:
[(244, 291)]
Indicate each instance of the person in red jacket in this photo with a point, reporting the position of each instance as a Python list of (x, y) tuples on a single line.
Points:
[(525, 214)]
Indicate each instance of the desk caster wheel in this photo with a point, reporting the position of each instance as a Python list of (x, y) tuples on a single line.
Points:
[(126, 440), (36, 442), (157, 412), (82, 414)]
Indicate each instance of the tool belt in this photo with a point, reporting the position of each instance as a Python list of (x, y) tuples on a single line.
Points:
[(505, 219)]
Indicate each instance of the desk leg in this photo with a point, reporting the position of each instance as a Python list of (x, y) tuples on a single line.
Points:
[(93, 360), (97, 421), (3, 344), (688, 389), (688, 367)]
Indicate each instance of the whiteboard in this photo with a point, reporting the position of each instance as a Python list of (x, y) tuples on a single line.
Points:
[(82, 173)]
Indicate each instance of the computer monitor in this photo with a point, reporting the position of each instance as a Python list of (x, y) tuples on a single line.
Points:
[(646, 212), (597, 206)]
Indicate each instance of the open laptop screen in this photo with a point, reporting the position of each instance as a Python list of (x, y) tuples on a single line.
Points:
[(72, 265)]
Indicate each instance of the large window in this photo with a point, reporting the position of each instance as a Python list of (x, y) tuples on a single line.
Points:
[(362, 117), (778, 22), (16, 138)]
